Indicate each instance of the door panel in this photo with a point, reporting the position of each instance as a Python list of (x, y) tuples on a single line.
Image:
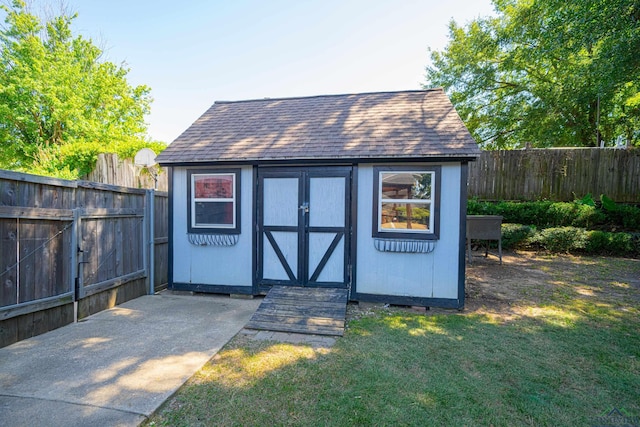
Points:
[(303, 229), (280, 201), (279, 237), (320, 247), (280, 255), (326, 202)]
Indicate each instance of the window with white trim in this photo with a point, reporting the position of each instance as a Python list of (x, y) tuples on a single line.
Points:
[(214, 201), (407, 202)]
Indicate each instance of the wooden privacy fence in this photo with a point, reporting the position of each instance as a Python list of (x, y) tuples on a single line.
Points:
[(69, 249), (558, 174), (110, 169)]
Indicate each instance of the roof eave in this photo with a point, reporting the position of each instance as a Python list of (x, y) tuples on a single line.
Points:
[(441, 157)]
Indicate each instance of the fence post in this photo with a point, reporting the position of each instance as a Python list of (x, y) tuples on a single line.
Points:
[(151, 240), (75, 274)]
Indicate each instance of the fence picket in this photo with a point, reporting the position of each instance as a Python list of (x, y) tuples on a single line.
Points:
[(26, 240), (8, 261)]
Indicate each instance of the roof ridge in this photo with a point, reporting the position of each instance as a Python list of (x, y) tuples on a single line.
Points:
[(332, 95)]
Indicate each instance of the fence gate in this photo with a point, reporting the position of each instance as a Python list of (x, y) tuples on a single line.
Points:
[(111, 246)]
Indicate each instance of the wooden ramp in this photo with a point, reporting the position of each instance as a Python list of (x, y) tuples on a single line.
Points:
[(319, 311)]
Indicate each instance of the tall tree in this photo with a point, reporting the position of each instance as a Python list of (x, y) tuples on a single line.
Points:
[(56, 90), (546, 72)]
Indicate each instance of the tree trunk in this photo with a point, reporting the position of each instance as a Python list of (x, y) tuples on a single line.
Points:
[(590, 136)]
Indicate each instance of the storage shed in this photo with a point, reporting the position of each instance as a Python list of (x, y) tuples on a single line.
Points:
[(365, 192)]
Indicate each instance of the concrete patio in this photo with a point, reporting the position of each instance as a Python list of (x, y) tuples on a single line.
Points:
[(116, 367)]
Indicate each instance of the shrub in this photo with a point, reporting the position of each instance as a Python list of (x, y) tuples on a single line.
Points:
[(579, 240), (533, 213), (598, 241), (626, 217), (563, 227), (512, 212), (560, 239), (561, 214), (516, 235), (602, 242), (544, 214), (475, 207)]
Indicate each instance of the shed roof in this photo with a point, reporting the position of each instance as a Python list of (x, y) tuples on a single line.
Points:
[(394, 125)]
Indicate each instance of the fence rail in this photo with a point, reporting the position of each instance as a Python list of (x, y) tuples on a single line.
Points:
[(74, 247), (556, 174)]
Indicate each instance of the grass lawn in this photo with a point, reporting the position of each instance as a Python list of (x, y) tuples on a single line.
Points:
[(543, 341)]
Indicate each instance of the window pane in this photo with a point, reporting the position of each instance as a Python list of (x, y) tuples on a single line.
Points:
[(214, 186), (406, 185), (214, 213), (405, 216)]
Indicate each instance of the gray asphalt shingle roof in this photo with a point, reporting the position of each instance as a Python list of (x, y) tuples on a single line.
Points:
[(409, 124)]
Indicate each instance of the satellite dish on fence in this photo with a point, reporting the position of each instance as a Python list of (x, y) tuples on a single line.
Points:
[(145, 158)]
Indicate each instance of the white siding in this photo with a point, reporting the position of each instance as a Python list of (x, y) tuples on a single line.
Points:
[(212, 265), (432, 275)]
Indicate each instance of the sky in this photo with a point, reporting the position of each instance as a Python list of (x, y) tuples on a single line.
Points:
[(195, 52)]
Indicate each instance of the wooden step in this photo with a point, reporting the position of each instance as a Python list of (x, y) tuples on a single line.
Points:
[(300, 310)]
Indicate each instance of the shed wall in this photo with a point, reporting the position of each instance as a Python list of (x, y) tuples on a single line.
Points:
[(212, 265), (431, 275)]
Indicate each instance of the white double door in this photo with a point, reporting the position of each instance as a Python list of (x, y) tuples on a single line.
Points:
[(303, 217)]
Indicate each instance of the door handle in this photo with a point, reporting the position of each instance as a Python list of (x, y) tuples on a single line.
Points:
[(304, 207)]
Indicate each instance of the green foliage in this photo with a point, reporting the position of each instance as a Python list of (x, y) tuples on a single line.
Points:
[(516, 235), (561, 227), (77, 159), (624, 217), (587, 200), (570, 240), (56, 93), (574, 214), (561, 214), (608, 204), (602, 242), (552, 73), (560, 239), (417, 214), (535, 213)]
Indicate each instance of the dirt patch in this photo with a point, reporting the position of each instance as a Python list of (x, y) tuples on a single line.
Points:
[(528, 278), (527, 281), (523, 278)]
